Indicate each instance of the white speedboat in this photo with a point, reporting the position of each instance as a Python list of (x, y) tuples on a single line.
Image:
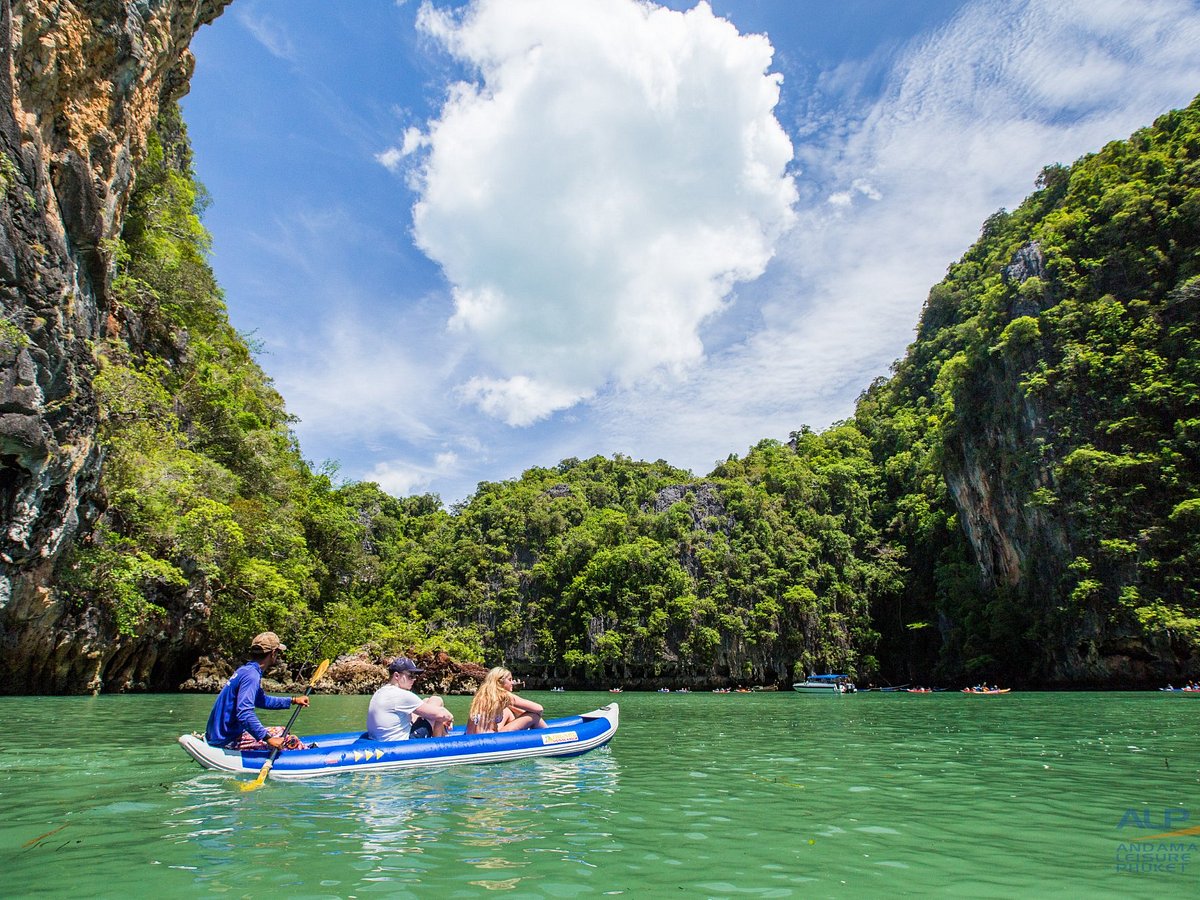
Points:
[(825, 684)]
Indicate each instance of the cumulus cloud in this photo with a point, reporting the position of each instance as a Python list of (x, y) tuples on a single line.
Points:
[(629, 241), (519, 400), (596, 193), (898, 190), (393, 158)]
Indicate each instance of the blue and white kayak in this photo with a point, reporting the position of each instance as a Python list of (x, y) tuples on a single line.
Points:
[(353, 751)]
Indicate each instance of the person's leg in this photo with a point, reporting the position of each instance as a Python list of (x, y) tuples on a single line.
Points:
[(440, 728), (523, 721), (249, 742), (291, 742)]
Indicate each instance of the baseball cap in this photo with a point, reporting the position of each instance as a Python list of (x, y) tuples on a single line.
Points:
[(404, 664)]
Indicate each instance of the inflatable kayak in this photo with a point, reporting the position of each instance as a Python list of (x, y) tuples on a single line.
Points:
[(353, 751)]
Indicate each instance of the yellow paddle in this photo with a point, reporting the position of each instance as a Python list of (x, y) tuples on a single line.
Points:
[(262, 775)]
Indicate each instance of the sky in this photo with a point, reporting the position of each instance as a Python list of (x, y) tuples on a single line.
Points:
[(471, 238)]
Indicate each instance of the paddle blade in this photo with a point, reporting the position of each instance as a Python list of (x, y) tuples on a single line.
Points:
[(320, 673), (260, 780)]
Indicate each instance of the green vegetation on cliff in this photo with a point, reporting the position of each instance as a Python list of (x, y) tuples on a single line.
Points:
[(1042, 429), (214, 522)]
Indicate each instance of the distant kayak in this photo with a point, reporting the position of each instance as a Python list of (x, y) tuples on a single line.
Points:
[(977, 691), (335, 754)]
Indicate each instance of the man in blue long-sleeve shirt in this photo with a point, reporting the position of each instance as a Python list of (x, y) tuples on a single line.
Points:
[(233, 722)]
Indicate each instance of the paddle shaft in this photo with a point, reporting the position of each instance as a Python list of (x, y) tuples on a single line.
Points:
[(292, 721)]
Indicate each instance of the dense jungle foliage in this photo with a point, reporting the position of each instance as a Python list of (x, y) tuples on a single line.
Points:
[(1061, 358), (1057, 363)]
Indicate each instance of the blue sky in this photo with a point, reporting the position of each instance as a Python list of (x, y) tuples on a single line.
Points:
[(475, 237)]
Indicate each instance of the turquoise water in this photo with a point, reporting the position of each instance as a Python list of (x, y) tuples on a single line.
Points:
[(699, 795)]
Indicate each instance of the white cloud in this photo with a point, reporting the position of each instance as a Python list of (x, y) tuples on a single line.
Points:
[(353, 379), (518, 400), (391, 159), (971, 117), (595, 203), (593, 199), (414, 140), (401, 478), (268, 32)]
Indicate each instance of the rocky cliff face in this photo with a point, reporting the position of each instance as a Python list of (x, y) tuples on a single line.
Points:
[(81, 82), (1007, 452), (985, 469)]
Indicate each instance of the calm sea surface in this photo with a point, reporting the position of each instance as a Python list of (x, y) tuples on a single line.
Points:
[(699, 795)]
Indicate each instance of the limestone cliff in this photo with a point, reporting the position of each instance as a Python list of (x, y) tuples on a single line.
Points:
[(81, 81), (1055, 372)]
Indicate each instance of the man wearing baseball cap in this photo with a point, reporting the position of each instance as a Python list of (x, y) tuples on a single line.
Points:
[(394, 707), (233, 722)]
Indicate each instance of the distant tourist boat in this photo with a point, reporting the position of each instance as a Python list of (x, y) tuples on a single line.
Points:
[(825, 684)]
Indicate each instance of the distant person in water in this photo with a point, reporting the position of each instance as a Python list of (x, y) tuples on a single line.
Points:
[(395, 709), (497, 708), (233, 722)]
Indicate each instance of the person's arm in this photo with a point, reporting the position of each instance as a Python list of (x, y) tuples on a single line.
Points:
[(522, 714), (265, 701), (434, 712), (520, 706), (276, 743)]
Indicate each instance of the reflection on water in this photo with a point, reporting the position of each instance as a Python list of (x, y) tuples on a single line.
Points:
[(495, 814), (396, 827)]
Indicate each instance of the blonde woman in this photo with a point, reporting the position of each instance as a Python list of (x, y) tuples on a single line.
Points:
[(497, 708)]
